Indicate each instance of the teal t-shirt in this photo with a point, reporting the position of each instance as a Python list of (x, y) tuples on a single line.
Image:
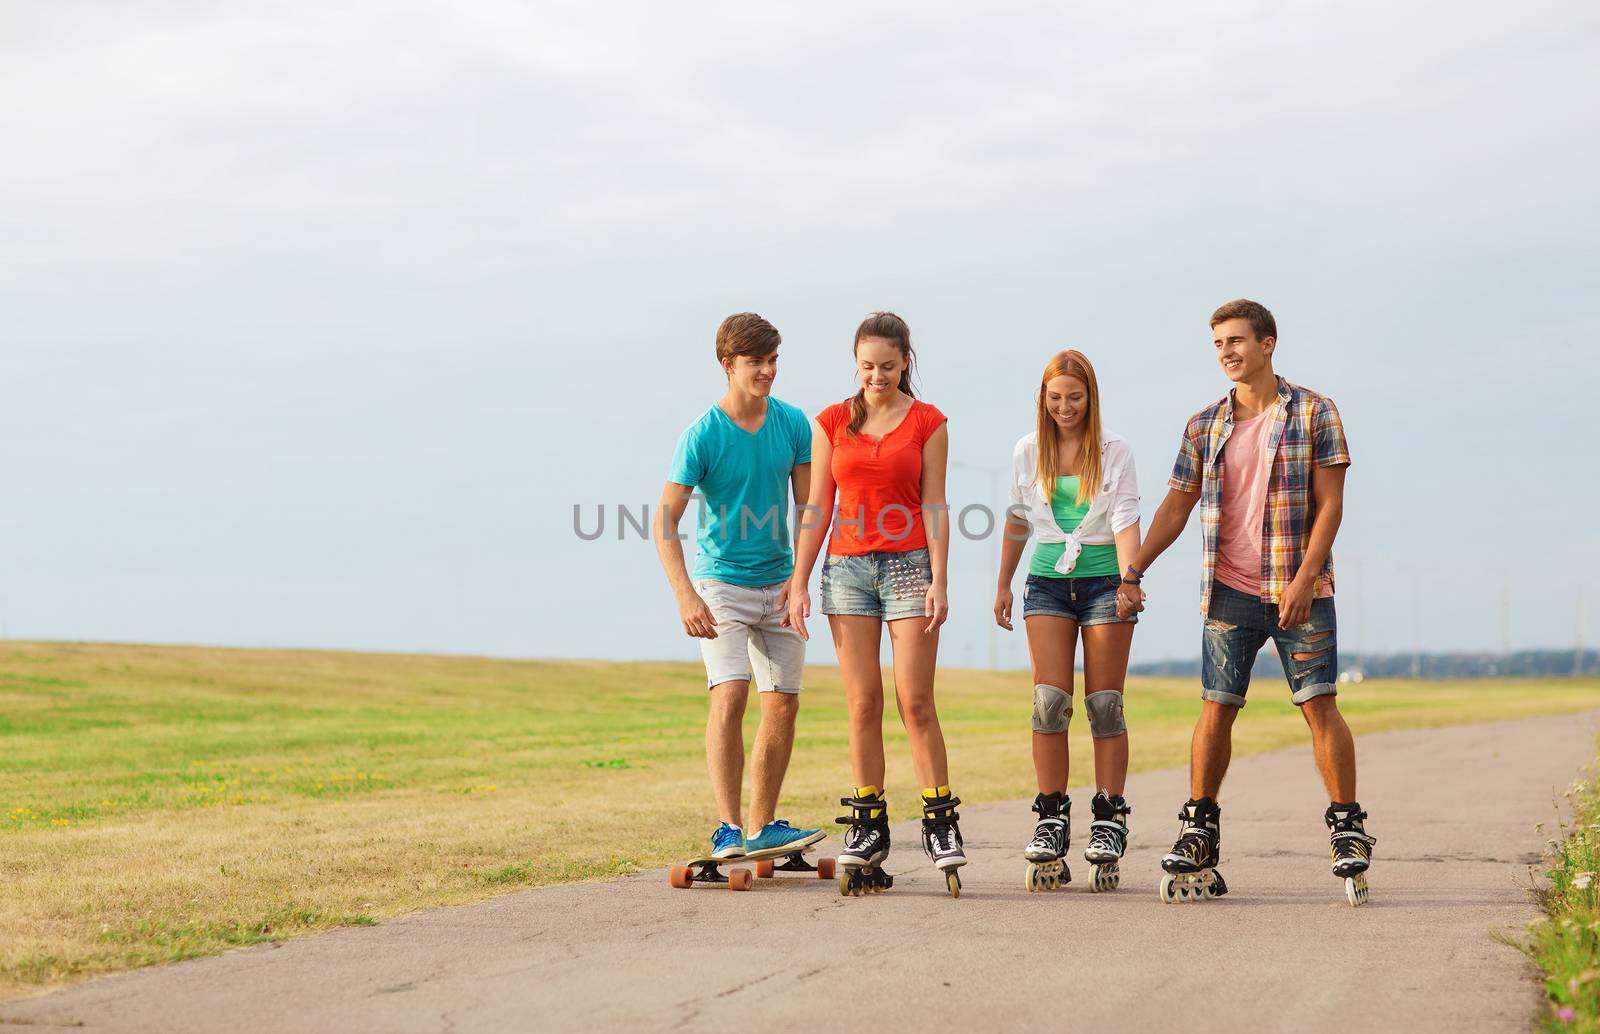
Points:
[(1094, 561), (743, 527)]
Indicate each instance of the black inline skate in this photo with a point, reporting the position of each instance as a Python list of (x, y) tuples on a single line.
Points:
[(1108, 839), (941, 838), (866, 845), (1191, 866), (1046, 852), (1351, 848)]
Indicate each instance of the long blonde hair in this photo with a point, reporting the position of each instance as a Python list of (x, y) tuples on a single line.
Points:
[(1070, 363)]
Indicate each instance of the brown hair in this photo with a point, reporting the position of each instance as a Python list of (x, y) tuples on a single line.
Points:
[(1260, 318), (891, 328), (745, 333), (1070, 364)]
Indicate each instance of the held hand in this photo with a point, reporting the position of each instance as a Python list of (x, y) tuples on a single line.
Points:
[(1002, 609), (935, 607), (696, 616), (1294, 607), (1130, 600), (799, 609)]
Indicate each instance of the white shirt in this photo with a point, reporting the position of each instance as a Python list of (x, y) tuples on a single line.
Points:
[(1115, 505)]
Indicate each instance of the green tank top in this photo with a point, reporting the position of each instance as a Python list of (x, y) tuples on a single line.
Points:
[(1094, 561)]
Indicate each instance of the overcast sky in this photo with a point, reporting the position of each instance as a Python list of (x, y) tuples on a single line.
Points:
[(317, 320)]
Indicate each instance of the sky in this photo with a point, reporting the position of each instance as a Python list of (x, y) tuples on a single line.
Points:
[(316, 321)]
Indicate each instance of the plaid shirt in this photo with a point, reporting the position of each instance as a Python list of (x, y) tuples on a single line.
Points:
[(1305, 431)]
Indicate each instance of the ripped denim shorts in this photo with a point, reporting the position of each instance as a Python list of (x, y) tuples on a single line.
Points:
[(1238, 625)]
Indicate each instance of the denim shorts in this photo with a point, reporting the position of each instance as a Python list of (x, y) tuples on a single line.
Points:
[(882, 585), (1239, 625), (1088, 601), (751, 638)]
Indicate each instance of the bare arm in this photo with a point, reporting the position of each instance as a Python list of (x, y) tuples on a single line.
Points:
[(800, 485), (1165, 527), (1327, 501), (811, 529), (936, 523), (1012, 543), (1172, 516), (696, 616)]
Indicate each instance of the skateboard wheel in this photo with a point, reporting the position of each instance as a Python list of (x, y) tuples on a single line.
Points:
[(824, 868), (679, 876), (740, 879), (764, 869)]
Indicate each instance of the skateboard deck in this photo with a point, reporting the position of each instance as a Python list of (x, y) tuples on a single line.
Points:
[(707, 869)]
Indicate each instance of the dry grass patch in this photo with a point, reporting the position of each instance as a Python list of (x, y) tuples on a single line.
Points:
[(158, 803)]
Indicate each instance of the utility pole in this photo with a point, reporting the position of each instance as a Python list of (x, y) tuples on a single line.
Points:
[(1577, 655), (1416, 634), (1505, 630)]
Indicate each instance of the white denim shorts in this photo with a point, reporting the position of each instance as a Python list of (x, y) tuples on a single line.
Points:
[(750, 640)]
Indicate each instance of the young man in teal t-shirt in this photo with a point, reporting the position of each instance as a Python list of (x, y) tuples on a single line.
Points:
[(745, 455)]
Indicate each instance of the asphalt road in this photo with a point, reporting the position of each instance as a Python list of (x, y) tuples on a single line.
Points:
[(1453, 809)]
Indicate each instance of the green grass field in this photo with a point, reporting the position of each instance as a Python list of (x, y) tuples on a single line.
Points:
[(158, 803)]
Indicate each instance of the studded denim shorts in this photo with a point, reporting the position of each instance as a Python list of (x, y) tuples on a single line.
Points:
[(882, 585)]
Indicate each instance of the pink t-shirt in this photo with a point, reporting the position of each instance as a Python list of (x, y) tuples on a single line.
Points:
[(1244, 502), (1247, 467)]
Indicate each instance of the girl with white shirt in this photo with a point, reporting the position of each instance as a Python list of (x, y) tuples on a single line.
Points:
[(1073, 485)]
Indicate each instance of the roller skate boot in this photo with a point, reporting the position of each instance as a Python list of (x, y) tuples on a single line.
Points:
[(1191, 866), (941, 837), (1045, 853), (1108, 839), (866, 844), (1351, 849)]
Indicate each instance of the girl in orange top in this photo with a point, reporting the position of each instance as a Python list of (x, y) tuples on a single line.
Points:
[(883, 453)]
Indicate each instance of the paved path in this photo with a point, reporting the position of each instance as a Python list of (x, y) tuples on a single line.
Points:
[(1453, 809)]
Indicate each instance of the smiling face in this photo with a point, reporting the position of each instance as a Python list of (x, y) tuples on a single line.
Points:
[(879, 366), (1066, 399), (752, 374), (1241, 354)]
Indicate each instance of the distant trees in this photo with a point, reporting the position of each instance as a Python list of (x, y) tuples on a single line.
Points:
[(1467, 665)]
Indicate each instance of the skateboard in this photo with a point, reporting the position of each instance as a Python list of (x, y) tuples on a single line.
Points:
[(707, 870)]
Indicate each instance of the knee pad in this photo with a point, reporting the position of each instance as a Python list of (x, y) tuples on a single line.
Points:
[(1052, 709), (1105, 713)]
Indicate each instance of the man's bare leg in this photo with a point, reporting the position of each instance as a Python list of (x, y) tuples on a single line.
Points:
[(725, 746), (1333, 745), (770, 758), (1211, 749)]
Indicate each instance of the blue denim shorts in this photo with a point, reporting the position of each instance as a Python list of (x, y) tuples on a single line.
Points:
[(1088, 601), (1239, 625), (882, 585)]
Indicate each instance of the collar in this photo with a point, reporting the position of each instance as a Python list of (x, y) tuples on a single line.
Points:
[(1285, 396)]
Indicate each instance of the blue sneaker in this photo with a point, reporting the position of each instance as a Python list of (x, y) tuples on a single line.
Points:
[(727, 842), (780, 834)]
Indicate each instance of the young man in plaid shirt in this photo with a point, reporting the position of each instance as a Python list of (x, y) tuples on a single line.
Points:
[(1266, 464)]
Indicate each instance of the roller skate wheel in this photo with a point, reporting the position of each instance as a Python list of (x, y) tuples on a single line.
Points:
[(1355, 890), (952, 881), (679, 876), (1169, 888), (764, 869), (740, 879), (825, 868)]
